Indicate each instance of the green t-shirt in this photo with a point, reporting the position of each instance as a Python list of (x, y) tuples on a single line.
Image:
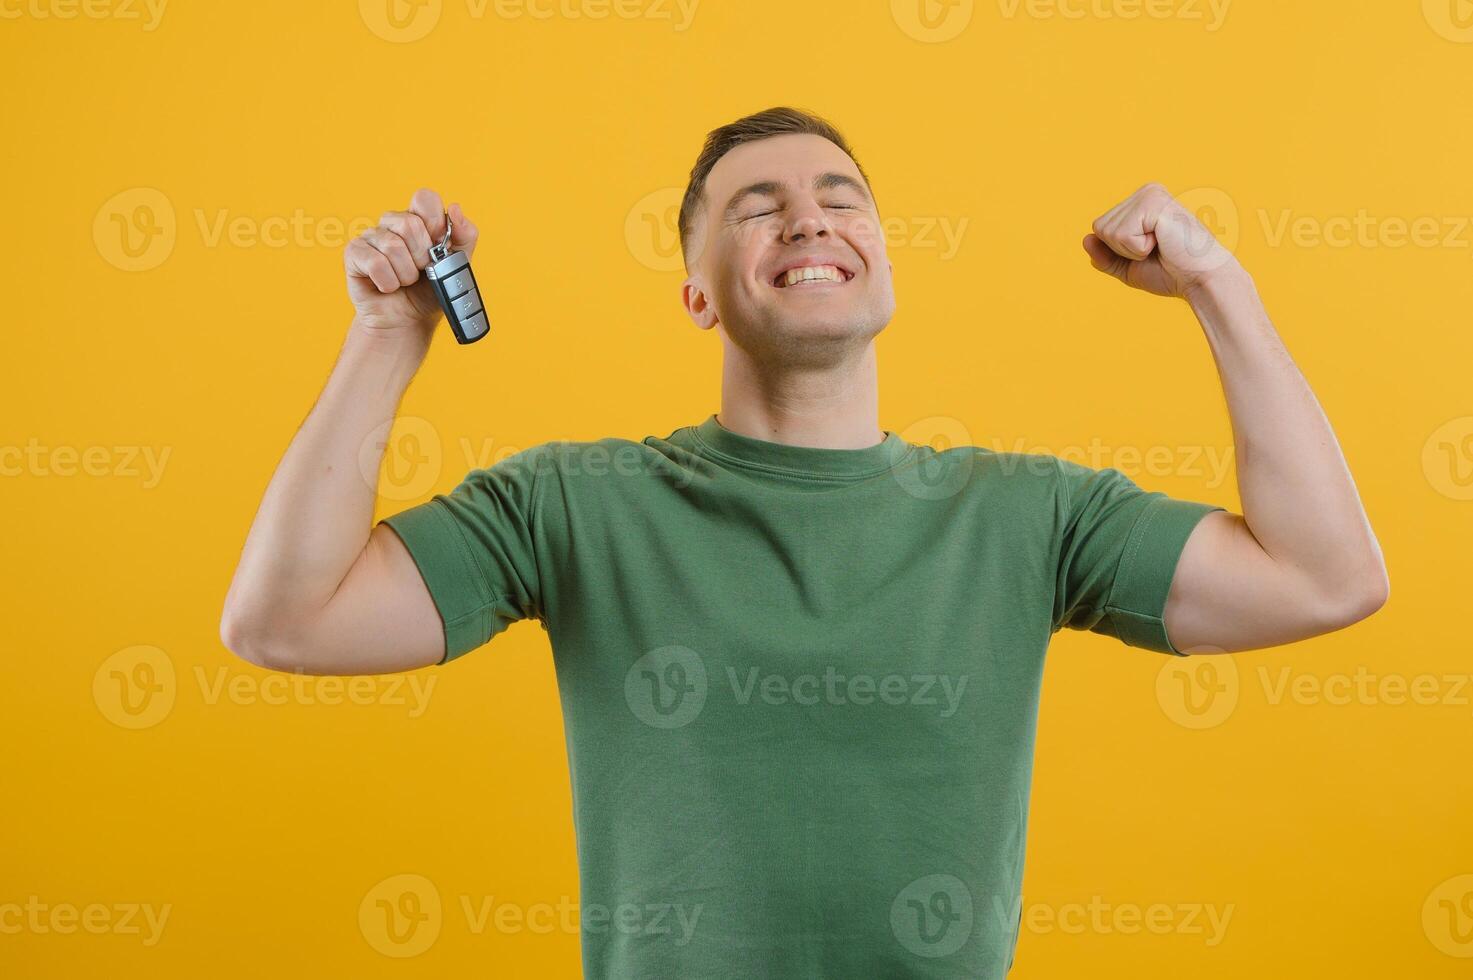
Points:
[(799, 685)]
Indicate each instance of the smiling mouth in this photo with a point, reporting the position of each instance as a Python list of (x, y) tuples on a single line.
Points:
[(807, 277)]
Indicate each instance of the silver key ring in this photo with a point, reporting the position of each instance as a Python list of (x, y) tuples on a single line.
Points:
[(445, 242)]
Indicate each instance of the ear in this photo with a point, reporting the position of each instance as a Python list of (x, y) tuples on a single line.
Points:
[(698, 304)]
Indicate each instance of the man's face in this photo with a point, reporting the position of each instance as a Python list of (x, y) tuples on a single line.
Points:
[(785, 202)]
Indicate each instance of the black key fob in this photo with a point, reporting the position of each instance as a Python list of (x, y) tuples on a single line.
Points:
[(450, 276)]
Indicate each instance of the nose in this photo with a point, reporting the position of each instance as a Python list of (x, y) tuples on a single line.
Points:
[(807, 221)]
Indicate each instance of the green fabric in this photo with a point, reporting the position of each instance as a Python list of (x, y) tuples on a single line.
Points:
[(799, 685)]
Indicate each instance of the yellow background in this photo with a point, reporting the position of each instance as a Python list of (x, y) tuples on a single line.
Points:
[(1334, 828)]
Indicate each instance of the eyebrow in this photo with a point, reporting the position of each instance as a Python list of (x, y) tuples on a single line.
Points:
[(770, 188)]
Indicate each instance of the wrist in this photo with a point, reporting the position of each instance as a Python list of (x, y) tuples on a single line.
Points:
[(1227, 305), (1226, 282), (396, 354)]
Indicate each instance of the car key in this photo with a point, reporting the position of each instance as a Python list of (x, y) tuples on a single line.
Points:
[(450, 276)]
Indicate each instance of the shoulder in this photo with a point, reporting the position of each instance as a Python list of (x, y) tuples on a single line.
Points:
[(569, 466), (595, 453), (982, 470)]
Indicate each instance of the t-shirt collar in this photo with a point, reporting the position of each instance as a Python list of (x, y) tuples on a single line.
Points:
[(801, 460)]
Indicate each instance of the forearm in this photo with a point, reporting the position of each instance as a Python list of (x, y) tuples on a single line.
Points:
[(317, 512), (1298, 497)]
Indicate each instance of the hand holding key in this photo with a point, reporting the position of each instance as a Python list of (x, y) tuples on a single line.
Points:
[(385, 267), (454, 285)]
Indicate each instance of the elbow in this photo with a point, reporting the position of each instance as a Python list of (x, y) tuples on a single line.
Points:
[(242, 637), (257, 642), (1375, 585), (1360, 597), (1377, 591)]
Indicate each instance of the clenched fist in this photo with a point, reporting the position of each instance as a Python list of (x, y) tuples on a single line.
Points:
[(1151, 242), (384, 263)]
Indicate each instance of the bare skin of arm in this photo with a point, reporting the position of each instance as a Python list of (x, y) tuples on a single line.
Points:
[(1301, 560), (318, 589)]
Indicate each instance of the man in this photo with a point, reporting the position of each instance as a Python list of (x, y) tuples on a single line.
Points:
[(799, 658)]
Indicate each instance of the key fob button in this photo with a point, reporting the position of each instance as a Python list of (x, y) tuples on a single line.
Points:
[(474, 327), (459, 283), (466, 305)]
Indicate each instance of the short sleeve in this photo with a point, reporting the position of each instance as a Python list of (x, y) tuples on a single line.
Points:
[(474, 549), (1118, 552)]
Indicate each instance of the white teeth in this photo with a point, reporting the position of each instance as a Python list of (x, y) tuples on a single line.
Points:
[(826, 272)]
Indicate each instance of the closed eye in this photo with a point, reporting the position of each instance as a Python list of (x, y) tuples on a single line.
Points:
[(840, 207)]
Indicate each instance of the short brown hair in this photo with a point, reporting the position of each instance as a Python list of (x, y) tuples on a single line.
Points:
[(776, 121)]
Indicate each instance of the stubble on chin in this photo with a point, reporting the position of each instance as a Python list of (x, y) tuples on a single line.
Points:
[(782, 341)]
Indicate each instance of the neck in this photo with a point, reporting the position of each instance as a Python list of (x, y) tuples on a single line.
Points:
[(831, 406)]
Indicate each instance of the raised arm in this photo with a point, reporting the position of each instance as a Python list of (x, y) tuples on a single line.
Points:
[(319, 589), (1301, 559)]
